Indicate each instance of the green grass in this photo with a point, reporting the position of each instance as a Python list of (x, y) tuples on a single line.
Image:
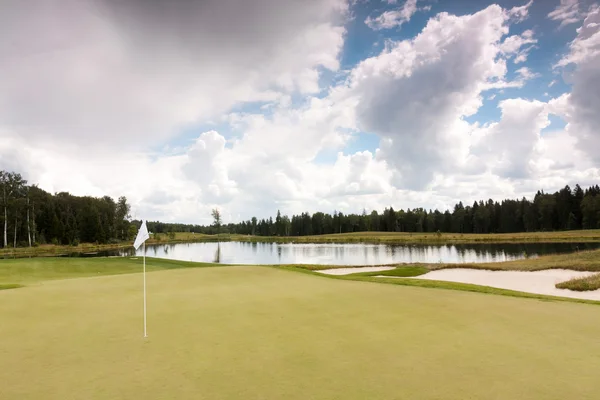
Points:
[(581, 284), (467, 287), (28, 271), (266, 333), (16, 273), (400, 271), (10, 286)]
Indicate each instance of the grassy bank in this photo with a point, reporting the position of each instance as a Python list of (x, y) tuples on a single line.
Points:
[(581, 284), (454, 238), (266, 333), (582, 236)]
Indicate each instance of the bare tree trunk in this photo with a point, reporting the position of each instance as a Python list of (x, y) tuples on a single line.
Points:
[(15, 238), (5, 227), (28, 225), (33, 220)]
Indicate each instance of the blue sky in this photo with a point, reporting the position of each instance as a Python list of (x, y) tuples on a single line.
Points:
[(362, 42), (318, 105)]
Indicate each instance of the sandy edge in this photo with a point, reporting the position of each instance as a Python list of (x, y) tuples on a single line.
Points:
[(538, 282)]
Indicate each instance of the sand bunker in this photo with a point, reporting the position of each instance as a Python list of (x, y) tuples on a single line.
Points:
[(346, 271), (540, 282)]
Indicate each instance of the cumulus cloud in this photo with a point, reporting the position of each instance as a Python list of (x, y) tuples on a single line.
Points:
[(506, 147), (358, 174), (87, 104), (415, 94), (580, 108), (206, 167), (104, 71)]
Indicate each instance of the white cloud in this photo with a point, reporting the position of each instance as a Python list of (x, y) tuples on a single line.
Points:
[(393, 18), (513, 46), (526, 73), (586, 46), (95, 72), (206, 166), (580, 108), (567, 12), (415, 94), (91, 95), (520, 13), (506, 147)]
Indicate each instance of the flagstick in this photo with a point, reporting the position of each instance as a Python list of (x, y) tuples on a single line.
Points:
[(145, 333)]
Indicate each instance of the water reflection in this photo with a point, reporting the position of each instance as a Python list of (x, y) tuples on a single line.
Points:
[(356, 254), (217, 258)]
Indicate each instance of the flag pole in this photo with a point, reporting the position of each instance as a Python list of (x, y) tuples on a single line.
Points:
[(145, 333), (140, 239)]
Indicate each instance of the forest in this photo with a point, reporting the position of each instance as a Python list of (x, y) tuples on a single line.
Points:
[(566, 209), (32, 216)]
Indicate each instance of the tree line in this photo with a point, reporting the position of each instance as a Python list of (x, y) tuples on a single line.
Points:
[(566, 209), (32, 216)]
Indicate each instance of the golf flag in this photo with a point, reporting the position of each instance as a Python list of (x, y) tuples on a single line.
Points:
[(142, 236), (140, 239)]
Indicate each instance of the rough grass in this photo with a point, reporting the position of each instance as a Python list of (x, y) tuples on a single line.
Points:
[(581, 284), (263, 333)]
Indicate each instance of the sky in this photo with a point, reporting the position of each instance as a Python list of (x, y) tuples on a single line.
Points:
[(299, 106)]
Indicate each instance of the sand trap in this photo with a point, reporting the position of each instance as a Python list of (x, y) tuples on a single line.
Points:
[(346, 271), (540, 282)]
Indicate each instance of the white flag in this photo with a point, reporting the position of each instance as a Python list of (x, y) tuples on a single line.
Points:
[(142, 236)]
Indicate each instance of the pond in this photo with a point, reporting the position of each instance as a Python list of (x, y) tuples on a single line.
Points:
[(352, 254)]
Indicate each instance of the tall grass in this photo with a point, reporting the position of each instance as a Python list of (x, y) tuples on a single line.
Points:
[(581, 284)]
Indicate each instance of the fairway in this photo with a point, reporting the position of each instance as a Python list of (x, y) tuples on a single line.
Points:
[(263, 333)]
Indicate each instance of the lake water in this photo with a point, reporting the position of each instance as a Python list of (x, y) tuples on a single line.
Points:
[(352, 254)]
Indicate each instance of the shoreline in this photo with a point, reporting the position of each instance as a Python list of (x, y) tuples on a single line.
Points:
[(386, 238)]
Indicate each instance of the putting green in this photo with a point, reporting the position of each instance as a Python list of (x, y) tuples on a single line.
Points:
[(263, 333)]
